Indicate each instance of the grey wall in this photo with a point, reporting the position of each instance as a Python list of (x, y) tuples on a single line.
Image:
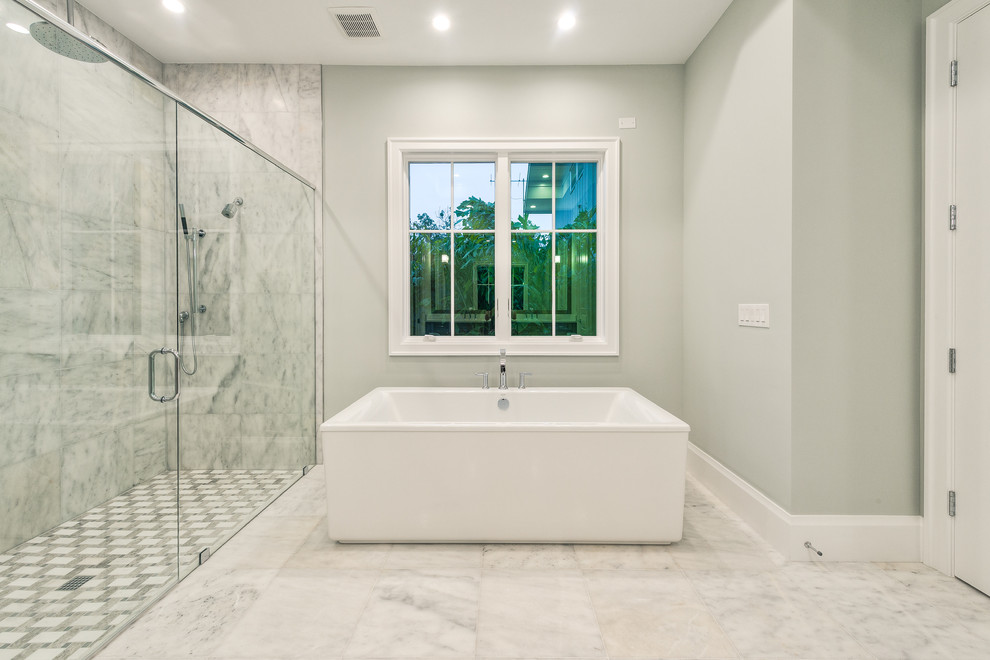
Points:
[(857, 251), (363, 106), (822, 411), (737, 236)]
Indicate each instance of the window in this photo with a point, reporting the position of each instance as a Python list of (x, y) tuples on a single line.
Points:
[(503, 244)]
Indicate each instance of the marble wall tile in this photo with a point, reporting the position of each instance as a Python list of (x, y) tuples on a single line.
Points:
[(100, 394), (90, 24), (276, 324), (149, 446), (27, 428), (311, 90), (281, 263), (29, 160), (274, 203), (95, 469), (218, 258), (87, 260), (208, 442), (29, 246), (29, 498), (29, 324), (29, 72)]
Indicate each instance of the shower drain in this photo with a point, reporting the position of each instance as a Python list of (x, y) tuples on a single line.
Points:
[(75, 583)]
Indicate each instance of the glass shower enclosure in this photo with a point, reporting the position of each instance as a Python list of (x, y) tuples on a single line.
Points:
[(157, 337)]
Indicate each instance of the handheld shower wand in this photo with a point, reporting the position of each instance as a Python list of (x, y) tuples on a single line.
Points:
[(192, 238)]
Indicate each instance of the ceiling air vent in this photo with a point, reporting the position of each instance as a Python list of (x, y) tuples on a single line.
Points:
[(356, 22)]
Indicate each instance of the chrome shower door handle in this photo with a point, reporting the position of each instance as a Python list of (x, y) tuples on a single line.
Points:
[(151, 374)]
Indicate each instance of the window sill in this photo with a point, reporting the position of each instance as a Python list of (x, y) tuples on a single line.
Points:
[(590, 346)]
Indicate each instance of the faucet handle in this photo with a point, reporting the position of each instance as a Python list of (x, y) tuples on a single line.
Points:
[(484, 378), (522, 378)]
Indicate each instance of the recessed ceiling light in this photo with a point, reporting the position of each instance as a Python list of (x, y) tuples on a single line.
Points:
[(18, 28), (532, 206), (174, 6), (566, 21), (546, 176), (441, 22)]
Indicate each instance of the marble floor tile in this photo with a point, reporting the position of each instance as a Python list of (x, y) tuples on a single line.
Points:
[(537, 613), (434, 555), (419, 614), (529, 556), (190, 620), (624, 557), (654, 614), (319, 551), (764, 615), (302, 614), (719, 593)]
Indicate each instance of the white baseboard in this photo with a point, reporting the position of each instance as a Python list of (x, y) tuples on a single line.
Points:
[(840, 538)]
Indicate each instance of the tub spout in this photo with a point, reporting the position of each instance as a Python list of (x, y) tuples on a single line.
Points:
[(501, 370)]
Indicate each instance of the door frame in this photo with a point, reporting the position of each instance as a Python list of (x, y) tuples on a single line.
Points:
[(937, 548)]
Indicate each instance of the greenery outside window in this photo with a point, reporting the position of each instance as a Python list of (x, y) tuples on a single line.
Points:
[(503, 244)]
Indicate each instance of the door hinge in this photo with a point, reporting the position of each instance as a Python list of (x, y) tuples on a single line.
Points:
[(952, 504), (952, 360), (952, 217), (953, 73)]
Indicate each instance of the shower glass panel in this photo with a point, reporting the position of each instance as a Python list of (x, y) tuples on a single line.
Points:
[(247, 323), (88, 523), (141, 247)]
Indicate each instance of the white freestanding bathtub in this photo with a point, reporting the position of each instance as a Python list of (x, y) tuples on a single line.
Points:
[(539, 465)]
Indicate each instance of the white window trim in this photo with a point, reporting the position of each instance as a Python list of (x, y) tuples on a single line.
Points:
[(403, 150)]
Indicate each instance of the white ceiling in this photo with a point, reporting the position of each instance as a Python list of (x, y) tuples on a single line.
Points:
[(483, 32)]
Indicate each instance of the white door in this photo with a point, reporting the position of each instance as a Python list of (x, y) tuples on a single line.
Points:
[(972, 304)]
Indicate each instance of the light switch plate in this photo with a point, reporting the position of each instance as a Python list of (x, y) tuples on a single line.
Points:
[(755, 315), (627, 122)]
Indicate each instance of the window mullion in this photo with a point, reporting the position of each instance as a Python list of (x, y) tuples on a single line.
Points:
[(503, 249), (553, 250), (453, 256)]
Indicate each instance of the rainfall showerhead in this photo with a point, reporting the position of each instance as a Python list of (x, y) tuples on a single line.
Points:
[(59, 41), (231, 209)]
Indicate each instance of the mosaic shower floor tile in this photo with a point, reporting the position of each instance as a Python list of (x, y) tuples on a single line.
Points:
[(64, 593)]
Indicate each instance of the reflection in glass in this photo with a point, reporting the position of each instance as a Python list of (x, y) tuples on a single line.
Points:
[(531, 202), (531, 289), (576, 189), (429, 195), (429, 283), (474, 196), (576, 283), (474, 284)]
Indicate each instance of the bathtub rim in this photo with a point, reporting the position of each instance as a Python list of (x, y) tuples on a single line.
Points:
[(343, 421)]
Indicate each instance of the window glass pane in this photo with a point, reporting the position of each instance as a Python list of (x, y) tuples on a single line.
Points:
[(474, 284), (531, 298), (429, 195), (577, 193), (530, 194), (429, 284), (474, 196), (576, 283)]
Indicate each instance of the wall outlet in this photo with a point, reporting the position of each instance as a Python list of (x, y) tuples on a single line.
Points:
[(755, 316)]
